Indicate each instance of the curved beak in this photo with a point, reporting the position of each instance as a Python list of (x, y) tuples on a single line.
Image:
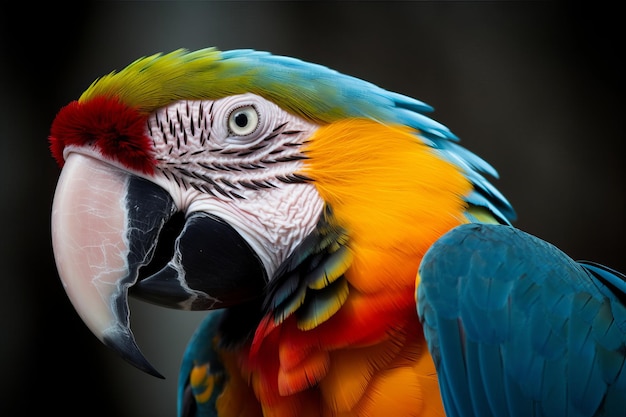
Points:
[(94, 215), (106, 230)]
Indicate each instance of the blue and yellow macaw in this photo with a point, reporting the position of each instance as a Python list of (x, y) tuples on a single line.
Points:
[(355, 258)]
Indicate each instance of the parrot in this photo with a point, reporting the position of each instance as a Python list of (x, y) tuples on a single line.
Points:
[(352, 257)]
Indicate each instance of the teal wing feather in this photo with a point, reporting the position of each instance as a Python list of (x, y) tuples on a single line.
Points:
[(518, 328), (197, 396)]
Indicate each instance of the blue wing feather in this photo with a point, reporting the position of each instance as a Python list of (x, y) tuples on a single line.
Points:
[(516, 327), (200, 352)]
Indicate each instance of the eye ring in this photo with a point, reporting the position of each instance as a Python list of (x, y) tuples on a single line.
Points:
[(243, 120)]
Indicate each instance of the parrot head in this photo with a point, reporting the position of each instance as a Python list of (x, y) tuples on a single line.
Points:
[(199, 180)]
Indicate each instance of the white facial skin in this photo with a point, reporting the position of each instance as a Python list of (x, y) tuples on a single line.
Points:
[(235, 158)]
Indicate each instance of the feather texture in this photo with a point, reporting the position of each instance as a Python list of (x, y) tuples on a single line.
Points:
[(349, 287), (516, 327), (336, 331)]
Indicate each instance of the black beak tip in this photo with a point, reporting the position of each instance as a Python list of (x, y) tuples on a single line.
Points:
[(122, 341)]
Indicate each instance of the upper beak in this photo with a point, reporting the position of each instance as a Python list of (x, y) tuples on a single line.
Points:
[(106, 225), (93, 218)]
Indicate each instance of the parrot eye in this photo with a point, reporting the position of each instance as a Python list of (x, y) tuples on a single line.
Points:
[(243, 120)]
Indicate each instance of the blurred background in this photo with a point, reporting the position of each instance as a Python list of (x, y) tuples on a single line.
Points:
[(533, 87)]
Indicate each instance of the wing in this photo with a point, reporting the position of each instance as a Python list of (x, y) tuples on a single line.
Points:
[(201, 376), (517, 328)]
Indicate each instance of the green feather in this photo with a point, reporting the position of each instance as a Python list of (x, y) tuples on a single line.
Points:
[(312, 91), (321, 304), (332, 268)]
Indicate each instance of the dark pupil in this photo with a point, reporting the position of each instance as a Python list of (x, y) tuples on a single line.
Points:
[(241, 119)]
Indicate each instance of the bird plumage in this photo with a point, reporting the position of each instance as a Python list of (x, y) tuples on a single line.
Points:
[(309, 200), (516, 327)]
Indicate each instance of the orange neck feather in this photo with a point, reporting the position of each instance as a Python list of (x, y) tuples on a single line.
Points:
[(394, 196)]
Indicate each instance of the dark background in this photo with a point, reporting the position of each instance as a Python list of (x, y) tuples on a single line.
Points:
[(533, 87)]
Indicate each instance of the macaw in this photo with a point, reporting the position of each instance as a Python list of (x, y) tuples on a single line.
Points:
[(353, 258)]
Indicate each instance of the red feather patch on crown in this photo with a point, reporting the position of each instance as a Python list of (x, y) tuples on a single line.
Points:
[(116, 130)]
